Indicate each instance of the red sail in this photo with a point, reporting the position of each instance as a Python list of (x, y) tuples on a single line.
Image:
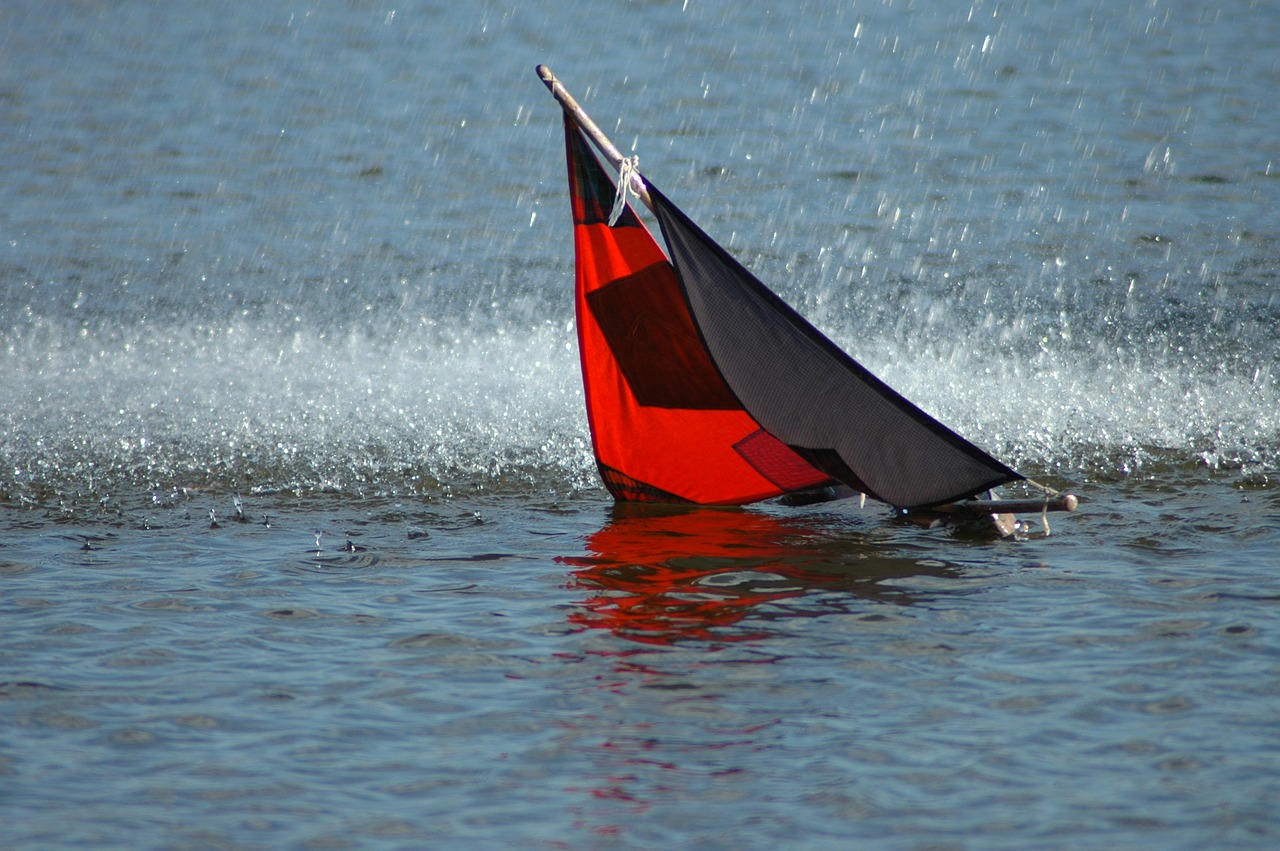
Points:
[(664, 425)]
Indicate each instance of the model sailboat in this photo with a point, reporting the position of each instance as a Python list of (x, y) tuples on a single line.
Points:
[(703, 386)]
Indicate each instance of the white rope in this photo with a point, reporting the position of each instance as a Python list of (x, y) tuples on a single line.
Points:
[(1044, 512), (626, 169)]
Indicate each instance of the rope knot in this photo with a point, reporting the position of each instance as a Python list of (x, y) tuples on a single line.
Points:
[(627, 169)]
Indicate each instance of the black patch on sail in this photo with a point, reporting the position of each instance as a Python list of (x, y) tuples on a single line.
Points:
[(805, 391), (626, 489), (646, 321)]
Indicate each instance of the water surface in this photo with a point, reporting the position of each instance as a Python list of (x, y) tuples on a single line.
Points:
[(301, 540)]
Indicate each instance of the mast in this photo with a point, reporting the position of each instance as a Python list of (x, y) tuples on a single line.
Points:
[(594, 133)]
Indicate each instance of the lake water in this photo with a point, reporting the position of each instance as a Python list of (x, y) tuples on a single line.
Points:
[(301, 541)]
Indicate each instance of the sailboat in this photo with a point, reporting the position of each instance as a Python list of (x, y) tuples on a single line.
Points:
[(704, 387)]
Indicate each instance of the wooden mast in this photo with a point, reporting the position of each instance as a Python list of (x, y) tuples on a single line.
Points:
[(593, 131)]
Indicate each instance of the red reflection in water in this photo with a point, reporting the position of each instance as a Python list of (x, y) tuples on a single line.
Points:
[(658, 575)]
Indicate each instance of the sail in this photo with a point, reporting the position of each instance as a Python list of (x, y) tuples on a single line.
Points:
[(703, 386), (664, 425), (806, 392)]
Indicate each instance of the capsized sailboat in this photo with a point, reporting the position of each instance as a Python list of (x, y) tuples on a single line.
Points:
[(703, 386)]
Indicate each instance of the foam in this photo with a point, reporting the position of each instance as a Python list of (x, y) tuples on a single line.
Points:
[(447, 406)]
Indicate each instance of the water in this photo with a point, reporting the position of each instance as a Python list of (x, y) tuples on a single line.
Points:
[(301, 538)]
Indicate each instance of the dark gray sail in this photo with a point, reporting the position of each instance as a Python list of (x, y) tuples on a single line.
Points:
[(808, 393)]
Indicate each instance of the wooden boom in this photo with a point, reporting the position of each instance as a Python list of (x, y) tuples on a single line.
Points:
[(990, 515)]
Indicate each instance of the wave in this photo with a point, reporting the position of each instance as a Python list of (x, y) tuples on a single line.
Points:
[(436, 407), (242, 405)]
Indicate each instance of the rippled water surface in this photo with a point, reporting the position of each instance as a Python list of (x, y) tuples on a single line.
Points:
[(301, 543)]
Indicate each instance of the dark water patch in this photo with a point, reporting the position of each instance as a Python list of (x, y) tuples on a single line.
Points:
[(25, 689), (291, 614), (446, 641), (454, 589), (173, 605), (71, 628), (144, 658)]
